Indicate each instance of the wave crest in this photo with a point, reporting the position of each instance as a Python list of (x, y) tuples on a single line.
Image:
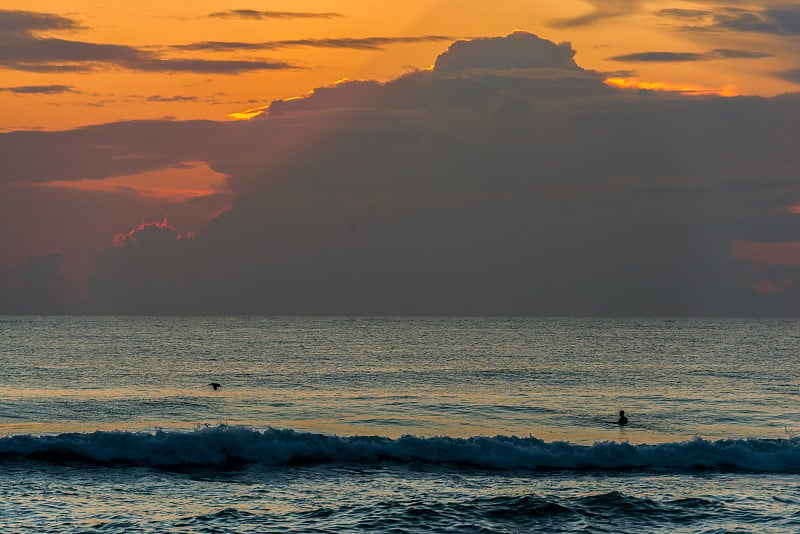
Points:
[(229, 445)]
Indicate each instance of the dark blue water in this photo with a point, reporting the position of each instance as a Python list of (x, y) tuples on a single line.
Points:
[(398, 425)]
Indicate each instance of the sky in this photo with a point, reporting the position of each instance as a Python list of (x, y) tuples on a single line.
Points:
[(592, 157)]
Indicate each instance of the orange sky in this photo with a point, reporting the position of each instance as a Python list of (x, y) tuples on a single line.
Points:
[(65, 64), (112, 92), (108, 92)]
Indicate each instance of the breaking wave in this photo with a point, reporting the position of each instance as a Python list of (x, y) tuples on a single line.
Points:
[(231, 445)]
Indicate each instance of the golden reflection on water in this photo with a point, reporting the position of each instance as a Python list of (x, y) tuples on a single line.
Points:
[(355, 412), (92, 393)]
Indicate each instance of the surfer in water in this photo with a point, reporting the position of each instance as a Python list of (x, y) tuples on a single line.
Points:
[(622, 421)]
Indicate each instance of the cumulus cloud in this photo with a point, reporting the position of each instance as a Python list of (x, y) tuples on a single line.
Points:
[(23, 49), (519, 50), (79, 224), (149, 235), (507, 180), (135, 251)]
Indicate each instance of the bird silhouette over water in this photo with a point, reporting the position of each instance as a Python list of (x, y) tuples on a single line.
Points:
[(215, 385)]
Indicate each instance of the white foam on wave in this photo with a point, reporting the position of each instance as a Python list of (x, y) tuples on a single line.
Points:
[(224, 445)]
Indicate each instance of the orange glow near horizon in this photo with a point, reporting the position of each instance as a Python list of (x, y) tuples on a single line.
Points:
[(194, 180), (249, 113), (778, 253), (262, 110), (684, 89)]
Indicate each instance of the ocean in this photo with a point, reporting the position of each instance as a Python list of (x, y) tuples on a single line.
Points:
[(401, 425)]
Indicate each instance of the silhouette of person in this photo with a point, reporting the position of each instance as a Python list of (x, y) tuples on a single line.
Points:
[(622, 421)]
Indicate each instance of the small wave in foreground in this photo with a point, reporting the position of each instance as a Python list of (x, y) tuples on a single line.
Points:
[(226, 446), (604, 512)]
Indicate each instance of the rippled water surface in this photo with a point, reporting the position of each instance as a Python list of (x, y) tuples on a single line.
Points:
[(110, 425)]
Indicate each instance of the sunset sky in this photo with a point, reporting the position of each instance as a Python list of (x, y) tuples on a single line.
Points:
[(72, 63), (638, 151)]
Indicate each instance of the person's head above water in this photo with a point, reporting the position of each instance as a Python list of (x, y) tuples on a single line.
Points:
[(622, 419)]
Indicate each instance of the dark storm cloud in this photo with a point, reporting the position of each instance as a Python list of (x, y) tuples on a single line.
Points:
[(105, 150), (790, 75), (22, 49), (602, 9), (36, 288), (253, 14), (680, 57), (79, 224), (40, 89), (362, 43), (508, 180)]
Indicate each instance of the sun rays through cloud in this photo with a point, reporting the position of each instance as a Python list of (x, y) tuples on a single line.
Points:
[(682, 88)]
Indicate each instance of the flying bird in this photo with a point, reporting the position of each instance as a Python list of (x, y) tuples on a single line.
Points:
[(215, 385)]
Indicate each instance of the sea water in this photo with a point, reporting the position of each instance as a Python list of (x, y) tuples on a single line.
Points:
[(109, 424)]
